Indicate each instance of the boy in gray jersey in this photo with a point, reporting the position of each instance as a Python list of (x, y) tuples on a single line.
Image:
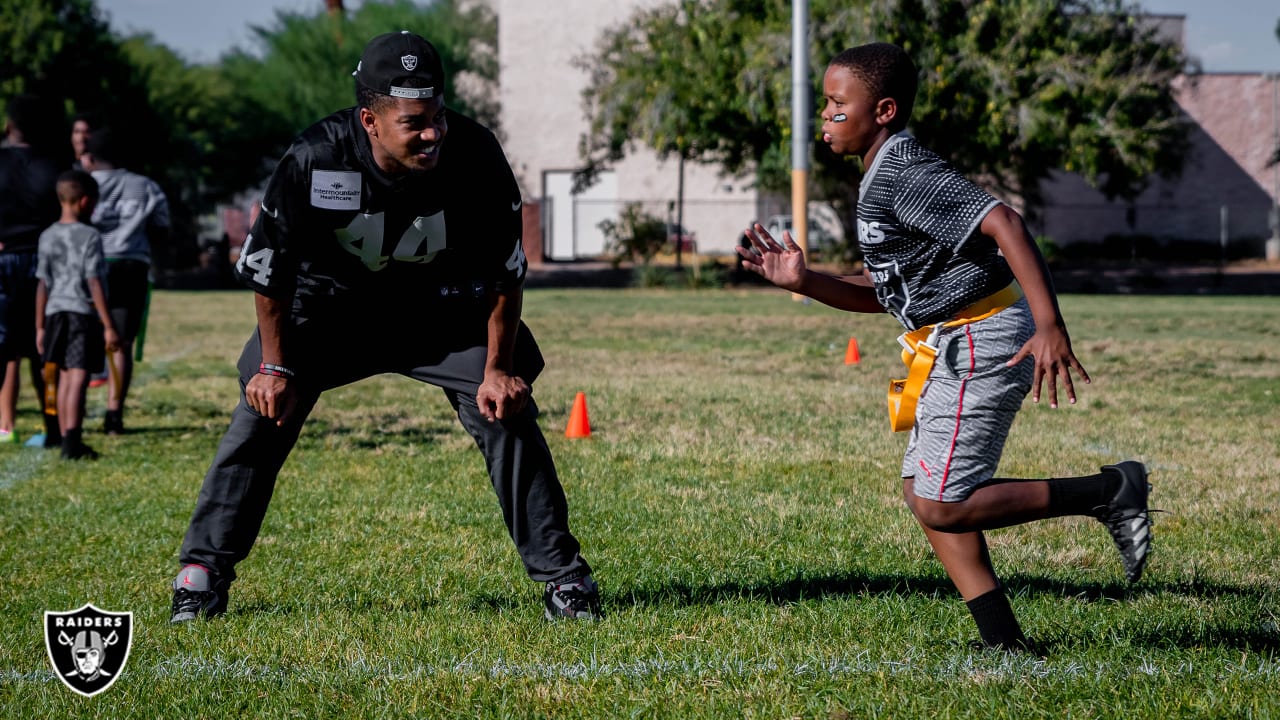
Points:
[(961, 273), (73, 326)]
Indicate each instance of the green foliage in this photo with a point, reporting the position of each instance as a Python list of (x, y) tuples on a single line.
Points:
[(62, 50), (636, 236), (1010, 91), (1013, 90), (301, 69), (1048, 248)]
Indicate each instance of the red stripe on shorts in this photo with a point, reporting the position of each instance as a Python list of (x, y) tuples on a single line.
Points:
[(946, 471)]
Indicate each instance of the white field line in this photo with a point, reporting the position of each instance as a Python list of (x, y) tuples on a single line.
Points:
[(983, 667), (19, 464)]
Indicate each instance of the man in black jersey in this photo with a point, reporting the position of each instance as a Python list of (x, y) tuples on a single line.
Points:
[(389, 241), (28, 205)]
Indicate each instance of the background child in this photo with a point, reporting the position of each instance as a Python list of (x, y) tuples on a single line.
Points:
[(958, 268), (73, 326)]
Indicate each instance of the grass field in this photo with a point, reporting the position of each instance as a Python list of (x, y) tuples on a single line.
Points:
[(739, 501)]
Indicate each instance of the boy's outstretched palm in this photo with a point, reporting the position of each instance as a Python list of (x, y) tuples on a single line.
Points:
[(781, 264)]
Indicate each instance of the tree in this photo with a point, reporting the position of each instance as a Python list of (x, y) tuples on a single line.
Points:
[(1010, 90), (63, 51), (303, 71)]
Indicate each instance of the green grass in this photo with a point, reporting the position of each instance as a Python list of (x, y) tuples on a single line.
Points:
[(738, 498)]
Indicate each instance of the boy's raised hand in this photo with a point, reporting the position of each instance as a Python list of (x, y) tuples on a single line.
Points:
[(781, 264)]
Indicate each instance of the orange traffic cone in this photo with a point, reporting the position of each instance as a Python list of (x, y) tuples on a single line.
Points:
[(851, 356), (579, 426)]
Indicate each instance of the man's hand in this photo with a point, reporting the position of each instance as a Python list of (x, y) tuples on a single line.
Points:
[(501, 396), (271, 396)]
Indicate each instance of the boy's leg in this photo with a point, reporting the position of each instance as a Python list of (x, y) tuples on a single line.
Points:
[(72, 383), (9, 396), (968, 563), (1116, 497)]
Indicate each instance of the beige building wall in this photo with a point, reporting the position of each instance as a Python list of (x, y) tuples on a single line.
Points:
[(542, 121), (1226, 188)]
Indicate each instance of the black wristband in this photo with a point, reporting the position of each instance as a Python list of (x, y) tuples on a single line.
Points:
[(275, 370)]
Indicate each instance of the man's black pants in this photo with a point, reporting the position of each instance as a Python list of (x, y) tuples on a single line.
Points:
[(233, 500)]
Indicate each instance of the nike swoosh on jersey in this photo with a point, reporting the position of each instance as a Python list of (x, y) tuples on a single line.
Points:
[(515, 205)]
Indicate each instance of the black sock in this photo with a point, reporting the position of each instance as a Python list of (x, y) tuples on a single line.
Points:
[(1081, 495), (996, 623)]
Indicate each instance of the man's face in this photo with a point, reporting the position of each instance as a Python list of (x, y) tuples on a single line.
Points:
[(79, 136), (406, 134), (864, 117)]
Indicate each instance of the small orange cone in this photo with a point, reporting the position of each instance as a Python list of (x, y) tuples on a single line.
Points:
[(851, 356), (579, 426)]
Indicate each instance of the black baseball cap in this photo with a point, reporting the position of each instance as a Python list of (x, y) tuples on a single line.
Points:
[(392, 58)]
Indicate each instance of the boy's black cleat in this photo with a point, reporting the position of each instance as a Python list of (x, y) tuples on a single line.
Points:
[(196, 591), (113, 422), (576, 600), (78, 451), (1128, 518)]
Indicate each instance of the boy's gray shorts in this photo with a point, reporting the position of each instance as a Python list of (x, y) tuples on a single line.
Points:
[(967, 405)]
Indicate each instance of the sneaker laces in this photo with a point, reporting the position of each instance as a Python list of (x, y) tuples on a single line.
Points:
[(192, 601), (576, 598)]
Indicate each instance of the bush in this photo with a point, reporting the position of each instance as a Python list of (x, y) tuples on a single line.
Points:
[(635, 236)]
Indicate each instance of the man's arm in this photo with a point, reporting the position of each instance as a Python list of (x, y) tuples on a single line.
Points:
[(502, 394), (42, 299), (272, 395)]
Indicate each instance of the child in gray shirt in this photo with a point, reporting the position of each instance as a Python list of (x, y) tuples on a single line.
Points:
[(73, 326)]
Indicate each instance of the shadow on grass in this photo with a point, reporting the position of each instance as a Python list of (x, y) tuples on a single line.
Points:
[(1191, 633), (370, 438)]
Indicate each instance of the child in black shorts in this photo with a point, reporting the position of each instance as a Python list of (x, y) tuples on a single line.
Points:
[(73, 326), (961, 273)]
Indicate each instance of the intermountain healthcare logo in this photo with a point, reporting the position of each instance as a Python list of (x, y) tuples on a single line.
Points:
[(88, 647)]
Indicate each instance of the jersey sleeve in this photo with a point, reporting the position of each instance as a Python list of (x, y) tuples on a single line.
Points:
[(42, 258), (933, 198), (267, 261), (159, 216)]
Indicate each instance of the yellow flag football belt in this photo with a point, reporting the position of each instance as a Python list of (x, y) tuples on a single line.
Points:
[(919, 352)]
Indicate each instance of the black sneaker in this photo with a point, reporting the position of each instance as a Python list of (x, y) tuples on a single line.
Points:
[(78, 451), (113, 422), (196, 590), (1127, 517), (577, 600)]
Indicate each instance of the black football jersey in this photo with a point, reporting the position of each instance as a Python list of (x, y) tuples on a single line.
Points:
[(28, 197), (335, 230), (918, 221)]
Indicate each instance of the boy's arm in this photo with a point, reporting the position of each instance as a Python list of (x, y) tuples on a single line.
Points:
[(784, 266), (109, 336), (1051, 345), (42, 299)]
